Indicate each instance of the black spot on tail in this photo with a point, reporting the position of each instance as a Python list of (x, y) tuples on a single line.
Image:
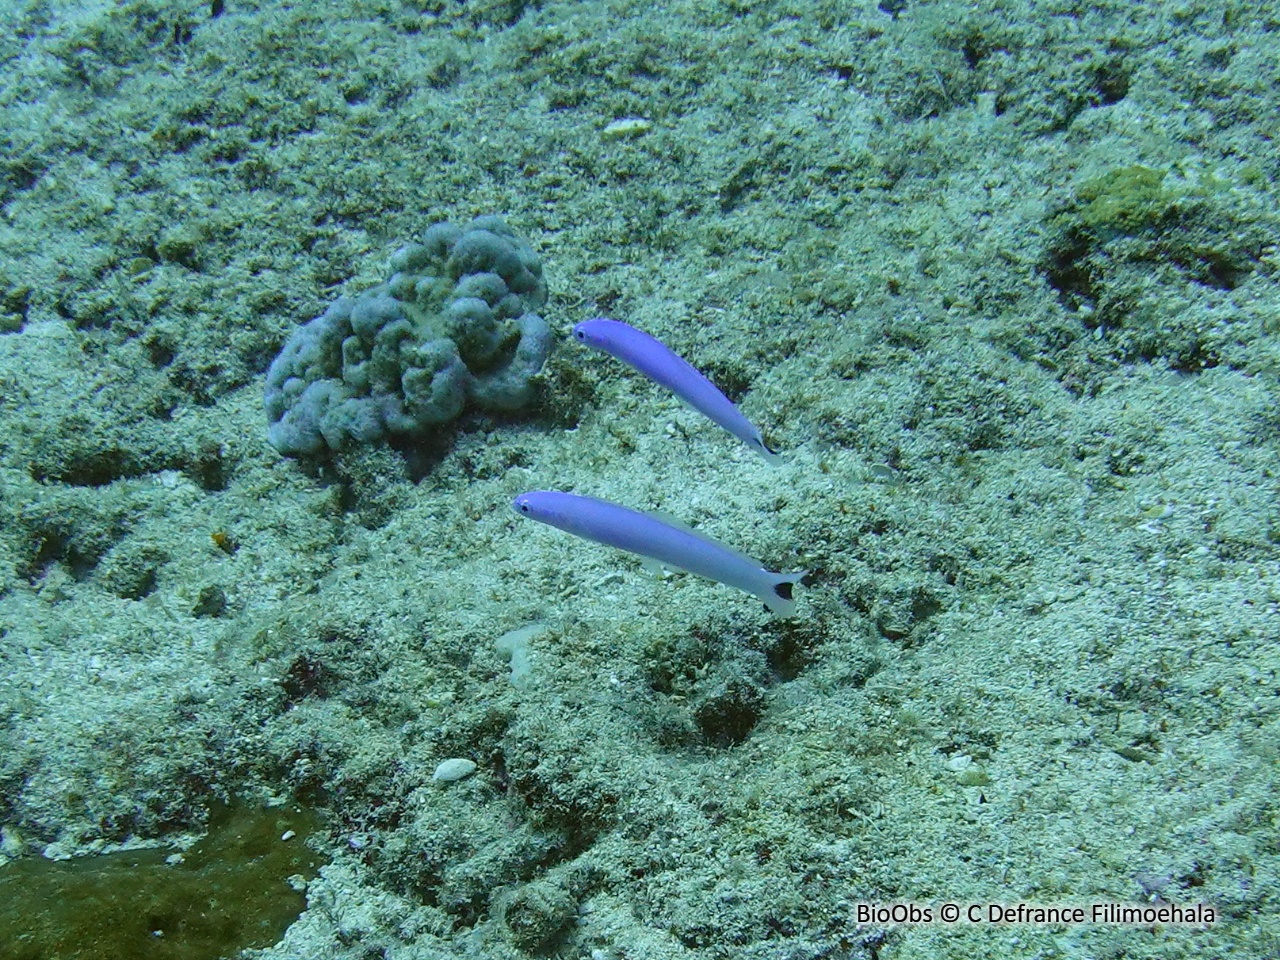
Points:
[(784, 589)]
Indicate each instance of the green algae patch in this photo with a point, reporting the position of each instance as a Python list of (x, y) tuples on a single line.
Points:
[(229, 892), (1125, 200)]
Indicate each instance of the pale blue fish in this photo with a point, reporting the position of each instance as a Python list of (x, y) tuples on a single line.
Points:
[(646, 535), (660, 364)]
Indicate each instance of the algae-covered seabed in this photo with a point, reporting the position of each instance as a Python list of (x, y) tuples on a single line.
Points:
[(998, 277)]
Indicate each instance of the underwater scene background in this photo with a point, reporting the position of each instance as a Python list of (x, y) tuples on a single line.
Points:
[(997, 278)]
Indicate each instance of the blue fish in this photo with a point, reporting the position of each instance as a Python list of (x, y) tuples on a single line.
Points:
[(653, 358), (646, 535)]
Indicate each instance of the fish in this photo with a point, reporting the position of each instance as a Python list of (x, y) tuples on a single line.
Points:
[(653, 358), (648, 536)]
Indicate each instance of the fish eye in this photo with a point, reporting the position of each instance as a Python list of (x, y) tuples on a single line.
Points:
[(524, 508), (580, 334)]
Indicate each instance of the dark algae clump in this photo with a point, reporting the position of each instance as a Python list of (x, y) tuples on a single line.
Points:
[(229, 892)]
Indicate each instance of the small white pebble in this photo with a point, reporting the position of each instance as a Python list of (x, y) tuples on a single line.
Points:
[(288, 835), (626, 128), (455, 768)]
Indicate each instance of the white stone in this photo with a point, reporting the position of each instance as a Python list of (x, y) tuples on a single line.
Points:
[(455, 768)]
